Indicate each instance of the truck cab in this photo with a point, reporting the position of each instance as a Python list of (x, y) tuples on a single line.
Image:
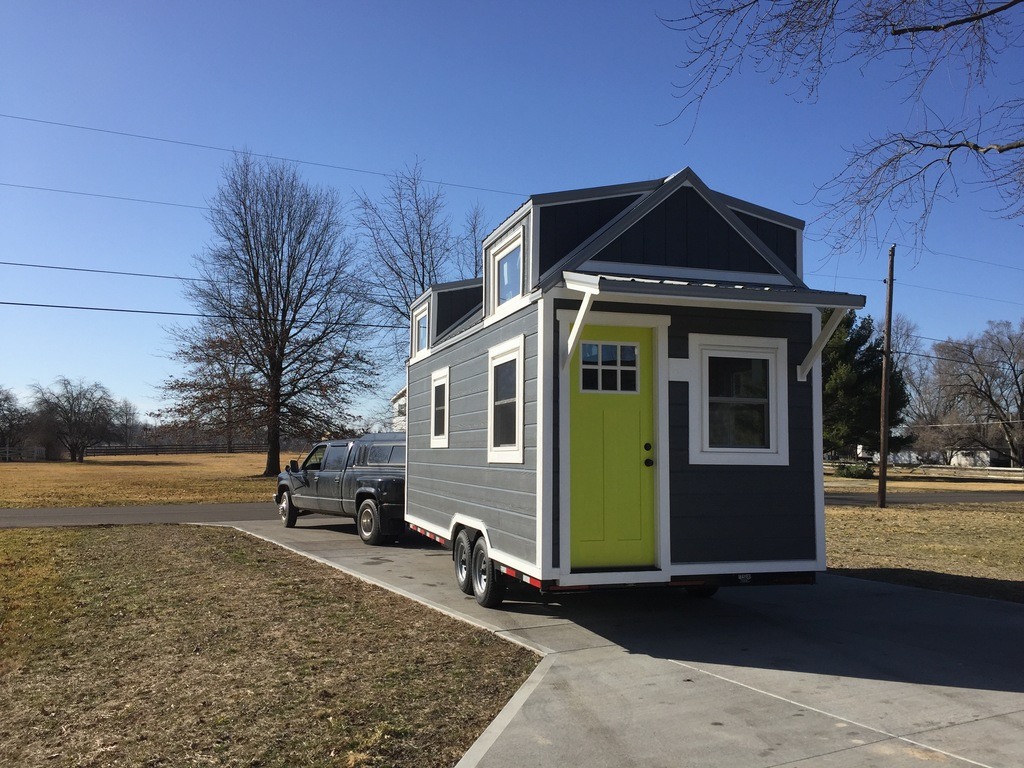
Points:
[(361, 478)]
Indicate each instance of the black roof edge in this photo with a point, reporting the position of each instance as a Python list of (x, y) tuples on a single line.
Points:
[(761, 212), (591, 193), (457, 285)]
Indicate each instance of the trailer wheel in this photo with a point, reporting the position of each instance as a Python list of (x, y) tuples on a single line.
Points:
[(285, 508), (462, 554), (701, 590), (368, 522), (488, 586)]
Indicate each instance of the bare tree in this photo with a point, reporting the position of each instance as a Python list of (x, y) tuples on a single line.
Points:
[(219, 393), (408, 246), (985, 375), (897, 174), (125, 421), (280, 275), (14, 421), (75, 414), (469, 252)]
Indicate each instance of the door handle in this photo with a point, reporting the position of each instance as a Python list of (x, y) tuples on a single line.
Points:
[(648, 462)]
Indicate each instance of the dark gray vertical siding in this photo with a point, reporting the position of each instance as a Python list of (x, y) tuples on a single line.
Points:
[(443, 482), (733, 513)]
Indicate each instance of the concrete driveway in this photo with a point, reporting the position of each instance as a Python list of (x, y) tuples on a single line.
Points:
[(845, 673)]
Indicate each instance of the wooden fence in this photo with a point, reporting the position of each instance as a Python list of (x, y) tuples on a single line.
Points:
[(168, 450)]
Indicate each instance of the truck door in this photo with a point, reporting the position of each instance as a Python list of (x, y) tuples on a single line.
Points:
[(304, 492), (348, 482), (328, 484)]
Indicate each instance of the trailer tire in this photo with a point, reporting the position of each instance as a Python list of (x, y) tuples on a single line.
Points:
[(462, 554), (488, 584), (368, 522), (285, 508)]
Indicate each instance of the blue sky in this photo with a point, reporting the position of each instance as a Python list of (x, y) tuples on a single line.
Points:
[(522, 97)]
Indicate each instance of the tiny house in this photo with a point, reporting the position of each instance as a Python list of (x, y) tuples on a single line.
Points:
[(630, 395)]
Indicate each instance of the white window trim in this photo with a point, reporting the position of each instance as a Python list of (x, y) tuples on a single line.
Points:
[(495, 254), (422, 312), (440, 376), (774, 350), (513, 349)]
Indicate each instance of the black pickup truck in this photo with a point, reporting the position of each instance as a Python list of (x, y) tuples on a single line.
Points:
[(362, 478)]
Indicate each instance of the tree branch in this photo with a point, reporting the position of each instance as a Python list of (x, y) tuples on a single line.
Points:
[(956, 22)]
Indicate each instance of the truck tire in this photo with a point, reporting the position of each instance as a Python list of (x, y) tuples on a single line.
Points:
[(462, 554), (488, 583), (285, 508), (368, 522)]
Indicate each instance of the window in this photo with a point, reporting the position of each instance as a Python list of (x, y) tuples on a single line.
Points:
[(738, 402), (316, 456), (739, 411), (506, 270), (608, 367), (336, 458), (420, 331), (398, 455), (439, 408), (505, 403), (509, 275), (379, 454)]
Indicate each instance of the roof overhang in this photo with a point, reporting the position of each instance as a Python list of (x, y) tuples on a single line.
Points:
[(695, 293)]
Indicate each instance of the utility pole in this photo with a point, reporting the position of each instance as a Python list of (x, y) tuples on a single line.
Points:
[(883, 434)]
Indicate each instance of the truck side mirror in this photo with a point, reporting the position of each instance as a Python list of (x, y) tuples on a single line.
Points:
[(293, 465)]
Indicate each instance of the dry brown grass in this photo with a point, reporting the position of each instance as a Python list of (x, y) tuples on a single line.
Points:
[(129, 480), (975, 549), (177, 645)]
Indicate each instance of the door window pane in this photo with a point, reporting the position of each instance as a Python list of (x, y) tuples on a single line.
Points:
[(608, 367)]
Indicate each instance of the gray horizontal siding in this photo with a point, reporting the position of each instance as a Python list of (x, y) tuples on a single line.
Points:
[(443, 482)]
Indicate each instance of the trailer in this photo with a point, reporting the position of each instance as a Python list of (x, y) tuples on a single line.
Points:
[(630, 395)]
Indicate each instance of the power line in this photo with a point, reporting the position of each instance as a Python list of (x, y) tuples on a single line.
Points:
[(167, 313), (214, 148), (927, 288), (99, 271), (107, 197)]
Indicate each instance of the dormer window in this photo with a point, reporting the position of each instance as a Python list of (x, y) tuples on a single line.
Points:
[(510, 275), (506, 271), (420, 330)]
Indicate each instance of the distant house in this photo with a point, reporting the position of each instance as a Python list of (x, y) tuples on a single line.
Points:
[(630, 394), (399, 404)]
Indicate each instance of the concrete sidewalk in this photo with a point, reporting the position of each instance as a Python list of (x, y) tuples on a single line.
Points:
[(845, 673)]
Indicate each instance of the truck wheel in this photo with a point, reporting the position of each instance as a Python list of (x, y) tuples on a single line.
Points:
[(368, 522), (462, 554), (488, 585), (285, 508)]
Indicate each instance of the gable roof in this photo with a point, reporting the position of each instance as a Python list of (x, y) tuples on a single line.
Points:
[(647, 202)]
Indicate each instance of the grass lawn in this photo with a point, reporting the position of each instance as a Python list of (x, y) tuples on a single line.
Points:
[(118, 481), (182, 645), (975, 549)]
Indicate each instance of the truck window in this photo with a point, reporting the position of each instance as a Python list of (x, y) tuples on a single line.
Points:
[(312, 461), (379, 454), (398, 455), (335, 460)]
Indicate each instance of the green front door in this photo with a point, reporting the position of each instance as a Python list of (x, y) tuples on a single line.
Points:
[(611, 444)]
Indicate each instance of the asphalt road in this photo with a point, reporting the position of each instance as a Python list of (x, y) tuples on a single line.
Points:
[(166, 513)]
